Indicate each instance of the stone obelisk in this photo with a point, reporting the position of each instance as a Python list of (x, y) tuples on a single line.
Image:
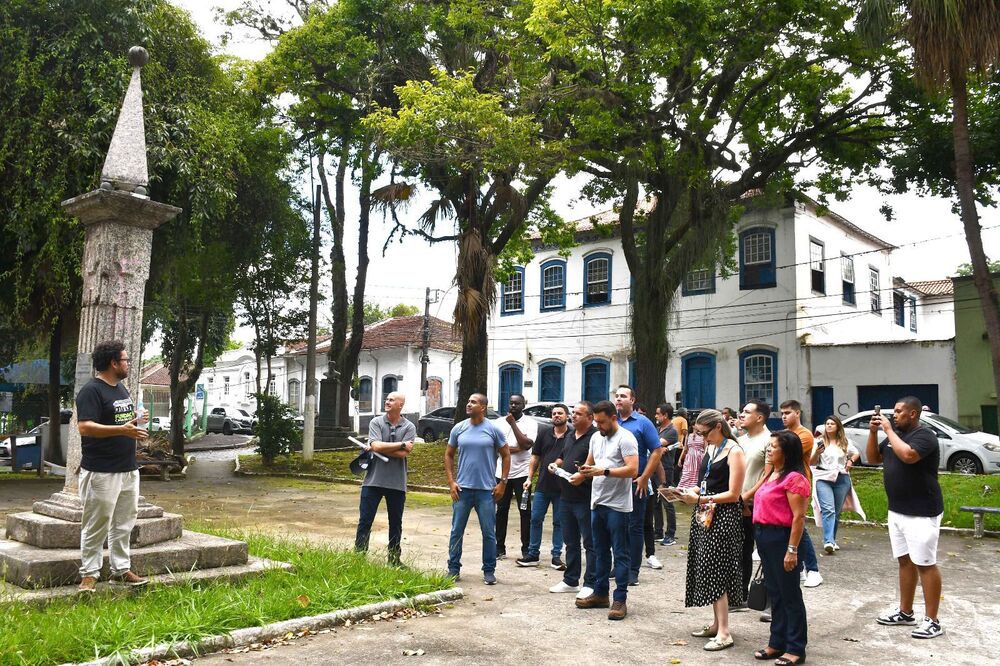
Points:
[(119, 218)]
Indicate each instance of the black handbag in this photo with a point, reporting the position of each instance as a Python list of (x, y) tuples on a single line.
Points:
[(757, 596)]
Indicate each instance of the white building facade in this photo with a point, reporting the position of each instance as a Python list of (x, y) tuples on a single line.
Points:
[(813, 312)]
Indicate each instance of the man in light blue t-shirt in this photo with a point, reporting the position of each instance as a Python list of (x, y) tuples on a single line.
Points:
[(478, 443)]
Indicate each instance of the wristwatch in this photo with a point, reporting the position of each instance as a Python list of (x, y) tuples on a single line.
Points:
[(607, 471), (402, 446), (503, 480), (793, 549)]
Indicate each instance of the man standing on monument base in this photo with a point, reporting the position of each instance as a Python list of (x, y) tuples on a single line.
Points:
[(109, 475)]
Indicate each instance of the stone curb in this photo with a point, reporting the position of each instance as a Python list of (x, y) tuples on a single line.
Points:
[(242, 637)]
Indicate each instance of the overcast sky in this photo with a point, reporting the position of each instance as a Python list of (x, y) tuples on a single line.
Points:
[(928, 233)]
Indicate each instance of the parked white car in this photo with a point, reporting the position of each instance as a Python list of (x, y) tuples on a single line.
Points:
[(962, 450), (29, 438), (159, 424)]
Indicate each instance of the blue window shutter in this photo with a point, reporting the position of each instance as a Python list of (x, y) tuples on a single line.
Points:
[(550, 380)]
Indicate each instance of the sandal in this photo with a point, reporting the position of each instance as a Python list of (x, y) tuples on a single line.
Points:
[(705, 632), (763, 654), (784, 661), (714, 645)]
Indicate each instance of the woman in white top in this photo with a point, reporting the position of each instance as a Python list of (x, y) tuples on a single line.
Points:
[(832, 460)]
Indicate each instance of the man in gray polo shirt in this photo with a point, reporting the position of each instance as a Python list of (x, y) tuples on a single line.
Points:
[(612, 463), (392, 436)]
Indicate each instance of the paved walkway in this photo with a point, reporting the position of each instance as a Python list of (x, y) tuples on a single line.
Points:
[(518, 621)]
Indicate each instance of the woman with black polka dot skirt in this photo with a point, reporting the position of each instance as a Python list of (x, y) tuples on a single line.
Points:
[(714, 572)]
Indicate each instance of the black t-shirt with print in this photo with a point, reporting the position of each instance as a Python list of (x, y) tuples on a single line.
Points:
[(913, 488), (575, 453), (107, 405)]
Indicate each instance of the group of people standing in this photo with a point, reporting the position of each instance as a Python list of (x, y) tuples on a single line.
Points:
[(748, 488)]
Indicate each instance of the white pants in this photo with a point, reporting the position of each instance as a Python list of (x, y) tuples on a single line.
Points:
[(916, 536), (110, 504)]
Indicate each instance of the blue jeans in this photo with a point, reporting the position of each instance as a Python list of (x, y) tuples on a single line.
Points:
[(576, 526), (538, 509), (636, 531), (807, 553), (831, 496), (788, 612), (611, 537), (371, 497), (482, 501)]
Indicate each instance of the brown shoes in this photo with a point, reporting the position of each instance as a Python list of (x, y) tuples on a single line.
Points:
[(130, 579), (593, 601), (87, 585), (618, 611)]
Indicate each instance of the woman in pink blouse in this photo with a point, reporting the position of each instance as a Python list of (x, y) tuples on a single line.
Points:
[(779, 517)]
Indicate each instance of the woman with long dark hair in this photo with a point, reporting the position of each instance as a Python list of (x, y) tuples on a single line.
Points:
[(832, 460), (714, 573), (779, 516)]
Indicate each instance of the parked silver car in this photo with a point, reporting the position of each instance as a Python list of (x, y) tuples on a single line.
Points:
[(962, 450), (228, 420)]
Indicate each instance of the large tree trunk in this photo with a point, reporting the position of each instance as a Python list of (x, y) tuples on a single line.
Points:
[(474, 281), (338, 264), (970, 221), (352, 350), (179, 388), (55, 350)]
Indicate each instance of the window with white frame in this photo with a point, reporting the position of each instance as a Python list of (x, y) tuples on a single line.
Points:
[(225, 385), (700, 281), (873, 287), (817, 267), (847, 279), (293, 393), (598, 275), (513, 292), (913, 315), (272, 388), (758, 374), (553, 285), (757, 248)]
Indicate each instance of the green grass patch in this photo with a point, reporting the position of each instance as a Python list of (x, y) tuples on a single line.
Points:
[(425, 464), (958, 490), (28, 476), (116, 621)]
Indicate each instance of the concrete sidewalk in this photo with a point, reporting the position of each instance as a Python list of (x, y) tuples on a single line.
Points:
[(518, 621)]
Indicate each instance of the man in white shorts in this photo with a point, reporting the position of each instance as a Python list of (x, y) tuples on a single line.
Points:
[(910, 455)]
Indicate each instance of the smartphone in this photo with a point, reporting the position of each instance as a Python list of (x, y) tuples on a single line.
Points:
[(878, 410)]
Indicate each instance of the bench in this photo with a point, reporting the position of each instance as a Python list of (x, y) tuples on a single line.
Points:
[(977, 516)]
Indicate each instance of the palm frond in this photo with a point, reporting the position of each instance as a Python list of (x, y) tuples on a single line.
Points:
[(438, 210), (392, 196), (950, 36)]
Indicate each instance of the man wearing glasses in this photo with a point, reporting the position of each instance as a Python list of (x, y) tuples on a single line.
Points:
[(109, 475)]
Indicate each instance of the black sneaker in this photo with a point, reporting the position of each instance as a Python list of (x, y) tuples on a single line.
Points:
[(527, 561), (668, 541), (489, 578), (501, 554), (897, 618), (928, 629), (558, 564), (633, 579)]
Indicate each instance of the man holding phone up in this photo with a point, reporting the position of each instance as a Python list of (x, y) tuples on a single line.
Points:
[(109, 475), (910, 455)]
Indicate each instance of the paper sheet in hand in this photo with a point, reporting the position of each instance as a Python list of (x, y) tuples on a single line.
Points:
[(363, 446)]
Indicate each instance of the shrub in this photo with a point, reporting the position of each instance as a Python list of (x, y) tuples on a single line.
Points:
[(276, 429)]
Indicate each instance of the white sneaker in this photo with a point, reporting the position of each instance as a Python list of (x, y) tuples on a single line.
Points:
[(563, 587), (828, 547), (835, 546), (653, 562), (802, 576), (584, 592), (813, 579), (928, 629)]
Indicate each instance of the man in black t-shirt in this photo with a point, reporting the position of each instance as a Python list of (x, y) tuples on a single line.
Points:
[(574, 504), (548, 447), (109, 476), (910, 455)]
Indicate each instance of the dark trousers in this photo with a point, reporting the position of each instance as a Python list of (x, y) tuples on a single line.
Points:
[(670, 476), (611, 540), (371, 496), (513, 492), (788, 611), (746, 557), (807, 553), (648, 533), (637, 531), (576, 527)]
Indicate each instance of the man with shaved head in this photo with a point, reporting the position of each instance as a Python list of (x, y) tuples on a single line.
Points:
[(391, 436)]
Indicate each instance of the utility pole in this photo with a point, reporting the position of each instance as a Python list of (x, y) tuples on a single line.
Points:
[(425, 358), (309, 430)]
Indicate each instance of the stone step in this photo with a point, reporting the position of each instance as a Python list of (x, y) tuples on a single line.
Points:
[(48, 532), (32, 567), (255, 566)]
